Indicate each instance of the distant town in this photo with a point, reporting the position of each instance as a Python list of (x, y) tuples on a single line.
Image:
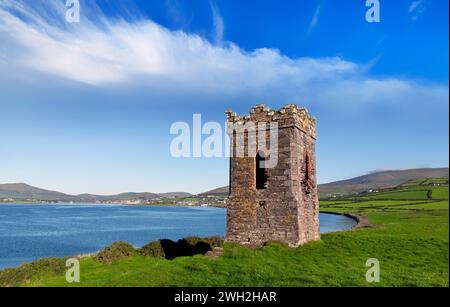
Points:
[(194, 201)]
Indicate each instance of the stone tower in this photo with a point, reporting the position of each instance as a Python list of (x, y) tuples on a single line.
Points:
[(280, 202)]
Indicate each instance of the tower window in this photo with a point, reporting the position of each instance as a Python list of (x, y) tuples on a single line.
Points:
[(307, 167), (309, 181), (261, 172)]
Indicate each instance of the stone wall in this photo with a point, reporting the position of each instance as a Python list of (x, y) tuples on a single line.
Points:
[(288, 209)]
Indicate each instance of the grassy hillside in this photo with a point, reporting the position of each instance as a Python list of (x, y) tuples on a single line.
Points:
[(22, 191), (380, 180), (222, 191), (409, 237)]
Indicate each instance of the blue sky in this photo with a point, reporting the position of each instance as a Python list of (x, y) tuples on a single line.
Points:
[(87, 107)]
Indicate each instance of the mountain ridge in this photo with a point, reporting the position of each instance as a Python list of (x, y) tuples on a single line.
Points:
[(380, 180), (23, 191), (374, 180)]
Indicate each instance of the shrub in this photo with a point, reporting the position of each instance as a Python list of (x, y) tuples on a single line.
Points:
[(39, 268), (152, 249), (192, 240), (212, 241), (215, 241), (185, 247), (115, 252)]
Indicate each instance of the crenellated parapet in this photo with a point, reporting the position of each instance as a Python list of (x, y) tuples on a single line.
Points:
[(289, 116)]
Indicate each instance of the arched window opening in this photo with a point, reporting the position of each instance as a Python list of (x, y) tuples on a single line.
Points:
[(261, 172), (309, 179), (307, 168)]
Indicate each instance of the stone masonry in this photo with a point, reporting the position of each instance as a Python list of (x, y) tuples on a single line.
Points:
[(285, 207)]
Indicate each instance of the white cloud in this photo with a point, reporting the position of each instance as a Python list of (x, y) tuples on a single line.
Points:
[(315, 18), (414, 5), (175, 13), (115, 51), (102, 51), (219, 25), (415, 9)]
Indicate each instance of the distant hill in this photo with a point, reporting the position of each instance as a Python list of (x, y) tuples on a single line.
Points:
[(223, 191), (376, 180), (22, 191), (379, 180)]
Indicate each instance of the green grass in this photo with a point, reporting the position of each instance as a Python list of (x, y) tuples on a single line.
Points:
[(366, 206), (424, 182), (437, 205), (410, 193), (370, 203), (410, 238)]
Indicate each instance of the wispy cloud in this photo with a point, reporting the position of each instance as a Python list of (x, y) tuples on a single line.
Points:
[(315, 19), (101, 51), (414, 5), (176, 14), (416, 8), (219, 25)]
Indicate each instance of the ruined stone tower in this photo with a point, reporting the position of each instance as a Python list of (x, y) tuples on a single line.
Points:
[(280, 202)]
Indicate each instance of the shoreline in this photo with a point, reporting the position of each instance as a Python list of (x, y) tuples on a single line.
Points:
[(118, 204), (361, 220)]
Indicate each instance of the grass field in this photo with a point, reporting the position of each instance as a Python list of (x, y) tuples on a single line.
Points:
[(438, 193), (410, 192), (410, 238)]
